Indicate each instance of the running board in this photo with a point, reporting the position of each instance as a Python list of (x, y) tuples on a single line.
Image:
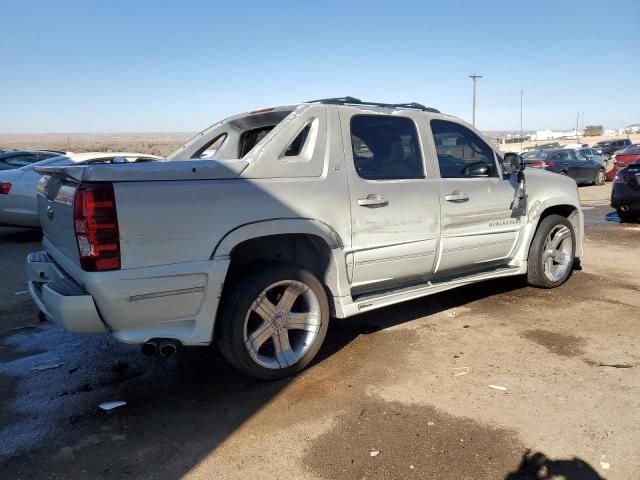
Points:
[(390, 297)]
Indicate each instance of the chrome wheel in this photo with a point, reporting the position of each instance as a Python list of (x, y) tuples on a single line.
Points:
[(282, 324), (558, 253), (601, 178)]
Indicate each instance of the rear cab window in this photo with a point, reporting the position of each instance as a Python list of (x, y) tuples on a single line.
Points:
[(386, 147)]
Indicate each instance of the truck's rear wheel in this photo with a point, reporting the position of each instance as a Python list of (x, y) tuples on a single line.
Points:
[(274, 322), (552, 253)]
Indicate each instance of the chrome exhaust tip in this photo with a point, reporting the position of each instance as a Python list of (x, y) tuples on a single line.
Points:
[(149, 348), (167, 349)]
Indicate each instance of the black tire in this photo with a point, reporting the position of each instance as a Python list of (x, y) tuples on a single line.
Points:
[(535, 272), (230, 324), (601, 177), (626, 216)]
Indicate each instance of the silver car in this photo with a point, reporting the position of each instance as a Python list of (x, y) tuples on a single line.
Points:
[(18, 186)]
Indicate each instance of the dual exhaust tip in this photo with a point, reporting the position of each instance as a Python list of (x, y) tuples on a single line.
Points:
[(166, 348), (624, 207)]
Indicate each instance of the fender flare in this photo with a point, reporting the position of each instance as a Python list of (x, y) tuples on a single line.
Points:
[(276, 226)]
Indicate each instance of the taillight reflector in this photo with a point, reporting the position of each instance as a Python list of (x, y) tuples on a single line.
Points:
[(96, 226), (618, 178), (4, 188), (541, 164)]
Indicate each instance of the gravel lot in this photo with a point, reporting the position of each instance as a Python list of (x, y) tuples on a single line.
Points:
[(398, 393)]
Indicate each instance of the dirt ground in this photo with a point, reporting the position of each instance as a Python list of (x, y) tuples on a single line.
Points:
[(399, 393)]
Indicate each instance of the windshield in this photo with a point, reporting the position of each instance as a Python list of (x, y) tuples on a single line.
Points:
[(530, 156), (48, 161)]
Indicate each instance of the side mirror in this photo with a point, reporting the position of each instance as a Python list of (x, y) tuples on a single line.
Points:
[(478, 169), (512, 163)]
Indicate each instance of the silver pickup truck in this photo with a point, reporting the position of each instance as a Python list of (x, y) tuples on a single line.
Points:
[(266, 224)]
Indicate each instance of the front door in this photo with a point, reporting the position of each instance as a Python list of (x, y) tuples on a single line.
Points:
[(479, 229), (395, 209)]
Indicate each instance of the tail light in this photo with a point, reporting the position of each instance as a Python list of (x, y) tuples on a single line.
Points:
[(96, 226), (541, 164), (4, 188), (618, 178)]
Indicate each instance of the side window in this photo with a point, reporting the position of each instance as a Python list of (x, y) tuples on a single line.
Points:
[(295, 147), (210, 149), (22, 160), (385, 147), (462, 153)]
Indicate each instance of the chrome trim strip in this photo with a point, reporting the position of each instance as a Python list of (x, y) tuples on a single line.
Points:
[(168, 293)]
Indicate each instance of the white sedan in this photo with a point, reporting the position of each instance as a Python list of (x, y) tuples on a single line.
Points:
[(18, 186)]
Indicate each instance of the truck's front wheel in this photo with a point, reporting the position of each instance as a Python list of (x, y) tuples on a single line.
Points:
[(274, 321), (552, 253)]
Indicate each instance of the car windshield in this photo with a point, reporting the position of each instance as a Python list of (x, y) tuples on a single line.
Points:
[(529, 156), (43, 163)]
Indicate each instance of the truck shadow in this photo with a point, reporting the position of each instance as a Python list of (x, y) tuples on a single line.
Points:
[(535, 466), (178, 411)]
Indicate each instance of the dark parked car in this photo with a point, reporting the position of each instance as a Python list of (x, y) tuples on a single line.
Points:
[(625, 195), (607, 147), (623, 159), (567, 162), (21, 158)]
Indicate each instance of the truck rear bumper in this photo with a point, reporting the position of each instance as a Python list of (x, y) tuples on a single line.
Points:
[(176, 301), (61, 299)]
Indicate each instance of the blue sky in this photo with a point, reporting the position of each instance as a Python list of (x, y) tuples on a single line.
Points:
[(79, 66)]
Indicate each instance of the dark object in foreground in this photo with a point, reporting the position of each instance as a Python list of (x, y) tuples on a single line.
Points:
[(538, 466), (625, 194)]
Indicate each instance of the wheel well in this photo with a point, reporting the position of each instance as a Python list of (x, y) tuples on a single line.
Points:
[(307, 251), (564, 210)]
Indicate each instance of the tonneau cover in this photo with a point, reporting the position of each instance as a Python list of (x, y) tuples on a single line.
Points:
[(149, 171)]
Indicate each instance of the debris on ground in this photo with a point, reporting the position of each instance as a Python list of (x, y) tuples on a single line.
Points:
[(411, 467), (616, 365), (498, 387), (374, 453), (47, 366), (459, 371), (24, 327), (107, 406), (604, 464), (430, 424)]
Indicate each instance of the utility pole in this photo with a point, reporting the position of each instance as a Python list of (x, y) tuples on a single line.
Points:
[(521, 139), (577, 121), (474, 77)]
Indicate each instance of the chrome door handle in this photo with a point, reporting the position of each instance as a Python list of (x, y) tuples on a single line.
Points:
[(373, 200), (457, 197)]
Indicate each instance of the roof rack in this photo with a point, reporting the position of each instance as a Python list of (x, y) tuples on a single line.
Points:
[(357, 101)]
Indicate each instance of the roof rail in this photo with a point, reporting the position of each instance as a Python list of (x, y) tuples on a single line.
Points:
[(357, 101)]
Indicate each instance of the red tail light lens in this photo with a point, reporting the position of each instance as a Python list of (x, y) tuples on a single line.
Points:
[(4, 188), (96, 225), (541, 164)]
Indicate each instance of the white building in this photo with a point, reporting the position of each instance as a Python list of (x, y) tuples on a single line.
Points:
[(633, 128), (554, 135)]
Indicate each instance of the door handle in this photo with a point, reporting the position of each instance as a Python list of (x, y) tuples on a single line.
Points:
[(457, 197), (373, 200)]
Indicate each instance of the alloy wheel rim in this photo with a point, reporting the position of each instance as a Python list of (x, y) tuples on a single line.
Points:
[(282, 324), (557, 253)]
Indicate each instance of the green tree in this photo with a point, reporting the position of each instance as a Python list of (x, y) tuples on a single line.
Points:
[(593, 130)]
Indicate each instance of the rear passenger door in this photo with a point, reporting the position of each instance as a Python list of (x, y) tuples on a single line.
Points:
[(479, 230), (395, 209)]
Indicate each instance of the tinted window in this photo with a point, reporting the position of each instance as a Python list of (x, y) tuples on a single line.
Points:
[(530, 156), (385, 147), (251, 138), (210, 149), (296, 146), (459, 149), (563, 156), (21, 160)]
